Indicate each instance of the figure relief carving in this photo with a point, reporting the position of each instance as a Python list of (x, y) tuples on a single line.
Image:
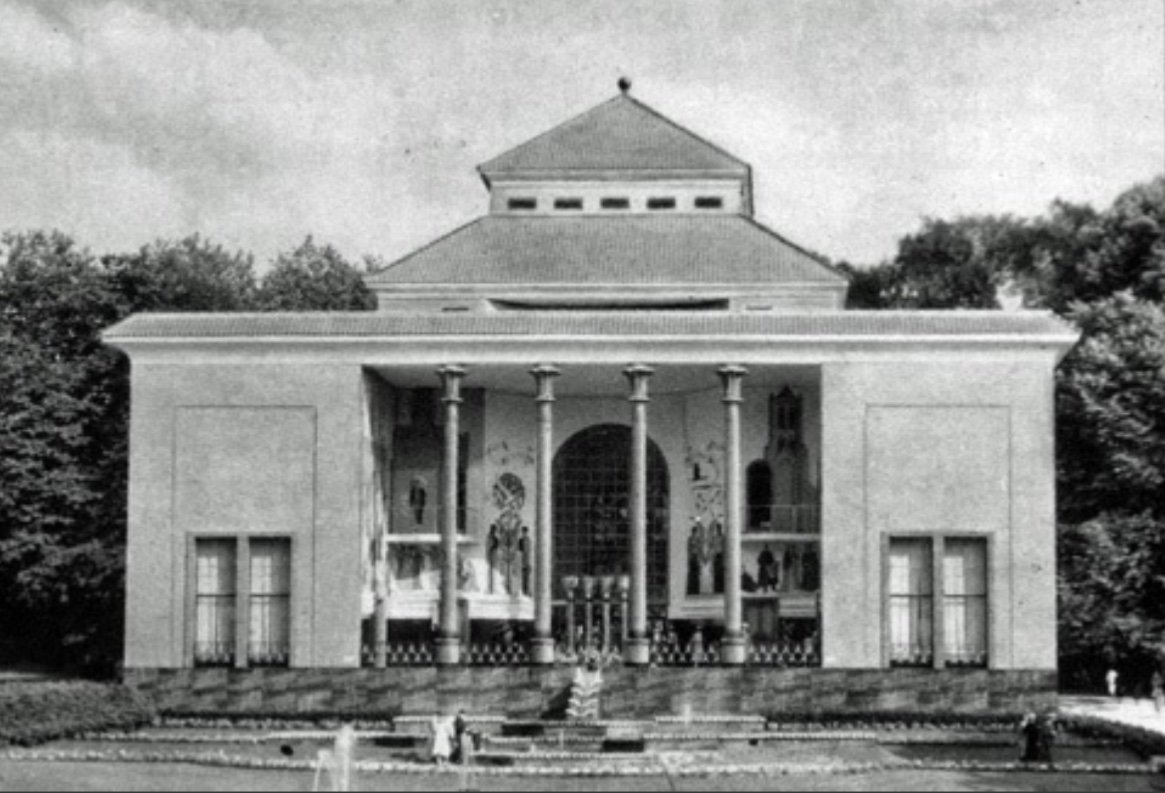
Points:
[(703, 464), (508, 547), (705, 569)]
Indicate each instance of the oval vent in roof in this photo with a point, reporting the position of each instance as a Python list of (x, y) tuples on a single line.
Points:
[(611, 304)]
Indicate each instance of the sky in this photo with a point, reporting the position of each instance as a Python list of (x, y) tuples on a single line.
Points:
[(362, 123)]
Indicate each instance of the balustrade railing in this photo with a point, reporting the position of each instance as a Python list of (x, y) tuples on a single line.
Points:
[(423, 524), (784, 518)]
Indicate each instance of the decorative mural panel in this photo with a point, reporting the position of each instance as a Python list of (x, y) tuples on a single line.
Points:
[(415, 567), (705, 480), (503, 454), (705, 567), (508, 546)]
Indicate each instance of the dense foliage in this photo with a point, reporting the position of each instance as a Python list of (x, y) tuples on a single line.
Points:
[(32, 713), (64, 407), (1103, 271)]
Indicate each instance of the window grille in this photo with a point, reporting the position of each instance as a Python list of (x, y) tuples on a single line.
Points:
[(214, 602), (911, 601), (592, 529), (965, 601), (270, 618)]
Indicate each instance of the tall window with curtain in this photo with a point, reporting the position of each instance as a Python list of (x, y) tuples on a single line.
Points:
[(270, 618), (214, 602), (911, 602), (965, 601)]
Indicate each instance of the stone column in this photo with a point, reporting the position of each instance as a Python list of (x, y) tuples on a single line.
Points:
[(733, 650), (542, 645), (380, 614), (449, 622), (637, 650)]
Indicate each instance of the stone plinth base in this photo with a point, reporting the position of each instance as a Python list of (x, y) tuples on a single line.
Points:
[(628, 692)]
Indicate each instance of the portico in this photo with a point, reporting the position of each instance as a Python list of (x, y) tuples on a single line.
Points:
[(594, 424)]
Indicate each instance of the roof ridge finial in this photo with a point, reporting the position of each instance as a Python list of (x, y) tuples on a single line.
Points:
[(624, 84)]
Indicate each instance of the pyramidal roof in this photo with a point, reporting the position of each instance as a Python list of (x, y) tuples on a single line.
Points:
[(618, 137)]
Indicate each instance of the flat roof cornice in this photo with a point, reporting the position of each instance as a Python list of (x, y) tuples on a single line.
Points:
[(588, 335)]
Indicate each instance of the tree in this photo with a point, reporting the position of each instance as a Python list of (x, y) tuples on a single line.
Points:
[(62, 504), (1111, 598), (869, 287), (312, 278), (946, 264), (191, 274), (64, 414), (1080, 255), (64, 407), (1110, 410)]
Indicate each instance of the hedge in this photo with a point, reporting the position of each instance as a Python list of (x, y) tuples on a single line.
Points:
[(892, 720), (35, 712), (1144, 742)]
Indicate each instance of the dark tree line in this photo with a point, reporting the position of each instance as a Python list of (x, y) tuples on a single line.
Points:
[(64, 412), (64, 404), (1103, 271)]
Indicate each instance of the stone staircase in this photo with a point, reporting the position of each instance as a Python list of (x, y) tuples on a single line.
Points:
[(506, 742)]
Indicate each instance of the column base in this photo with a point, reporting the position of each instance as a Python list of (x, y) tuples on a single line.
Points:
[(733, 651), (542, 650), (637, 652), (448, 651)]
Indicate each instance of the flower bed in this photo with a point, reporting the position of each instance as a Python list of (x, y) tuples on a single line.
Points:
[(35, 712), (275, 720), (653, 767)]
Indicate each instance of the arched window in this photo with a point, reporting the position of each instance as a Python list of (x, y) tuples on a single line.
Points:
[(759, 483), (591, 510)]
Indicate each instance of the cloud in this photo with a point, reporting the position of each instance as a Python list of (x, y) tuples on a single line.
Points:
[(97, 191), (188, 122), (30, 42), (258, 123)]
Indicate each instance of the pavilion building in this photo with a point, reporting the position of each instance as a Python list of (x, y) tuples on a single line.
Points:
[(614, 417)]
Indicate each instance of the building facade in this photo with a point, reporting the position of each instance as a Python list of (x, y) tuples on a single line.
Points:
[(613, 417)]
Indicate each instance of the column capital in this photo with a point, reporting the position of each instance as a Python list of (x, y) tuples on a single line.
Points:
[(451, 375), (637, 374), (544, 374), (730, 377)]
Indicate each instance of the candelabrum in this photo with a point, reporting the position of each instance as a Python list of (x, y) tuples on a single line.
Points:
[(570, 584), (606, 585), (623, 588), (588, 591)]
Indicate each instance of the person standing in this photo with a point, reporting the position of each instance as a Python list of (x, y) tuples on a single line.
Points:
[(1157, 687), (1110, 679), (441, 740)]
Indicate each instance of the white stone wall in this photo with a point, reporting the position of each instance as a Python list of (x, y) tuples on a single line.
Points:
[(932, 446)]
